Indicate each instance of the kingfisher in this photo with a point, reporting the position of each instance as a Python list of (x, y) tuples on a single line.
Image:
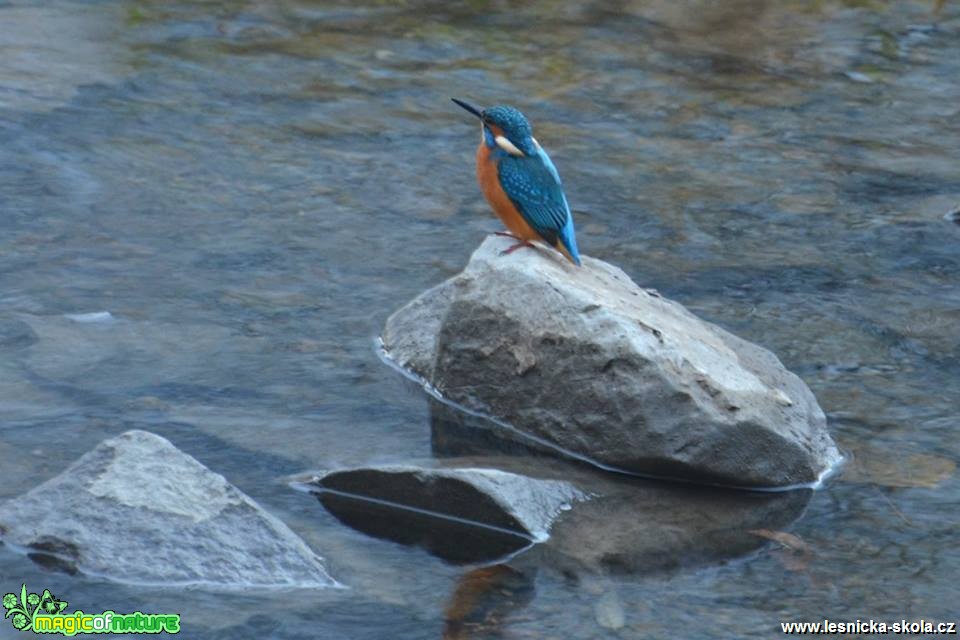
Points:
[(521, 184)]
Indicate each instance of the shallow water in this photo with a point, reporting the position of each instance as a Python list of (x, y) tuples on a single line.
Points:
[(250, 188)]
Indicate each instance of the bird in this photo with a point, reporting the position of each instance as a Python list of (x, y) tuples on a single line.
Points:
[(520, 182)]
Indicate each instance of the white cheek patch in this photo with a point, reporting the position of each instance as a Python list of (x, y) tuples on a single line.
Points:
[(535, 143), (508, 146)]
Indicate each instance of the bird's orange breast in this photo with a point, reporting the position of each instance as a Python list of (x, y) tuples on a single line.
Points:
[(498, 199)]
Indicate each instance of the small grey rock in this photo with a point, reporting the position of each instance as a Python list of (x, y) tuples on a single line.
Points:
[(608, 611), (138, 510), (483, 496)]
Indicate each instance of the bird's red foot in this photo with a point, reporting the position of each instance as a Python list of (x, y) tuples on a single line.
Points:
[(522, 243), (505, 234)]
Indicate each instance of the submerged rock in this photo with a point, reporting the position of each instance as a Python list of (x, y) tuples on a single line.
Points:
[(462, 514), (608, 611), (587, 363), (646, 526), (586, 522), (136, 509)]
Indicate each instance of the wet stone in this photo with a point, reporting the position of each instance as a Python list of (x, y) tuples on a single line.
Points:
[(464, 514), (138, 510)]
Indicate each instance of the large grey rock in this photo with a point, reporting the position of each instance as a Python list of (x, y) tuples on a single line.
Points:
[(587, 363), (136, 509)]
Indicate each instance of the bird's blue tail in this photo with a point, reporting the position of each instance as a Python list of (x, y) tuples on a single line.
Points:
[(569, 240)]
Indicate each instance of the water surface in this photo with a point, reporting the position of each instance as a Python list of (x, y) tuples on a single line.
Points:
[(250, 188)]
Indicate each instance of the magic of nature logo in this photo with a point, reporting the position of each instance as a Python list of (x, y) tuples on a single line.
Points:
[(44, 613)]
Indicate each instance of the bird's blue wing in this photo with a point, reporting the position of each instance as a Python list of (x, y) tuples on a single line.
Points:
[(533, 185)]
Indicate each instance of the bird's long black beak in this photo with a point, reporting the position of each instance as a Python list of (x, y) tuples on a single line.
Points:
[(469, 107)]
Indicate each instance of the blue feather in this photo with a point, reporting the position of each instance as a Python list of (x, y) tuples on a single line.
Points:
[(567, 235), (533, 185), (569, 238), (547, 161)]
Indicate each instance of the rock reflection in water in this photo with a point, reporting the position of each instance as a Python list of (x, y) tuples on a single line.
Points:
[(484, 597), (454, 541), (644, 527)]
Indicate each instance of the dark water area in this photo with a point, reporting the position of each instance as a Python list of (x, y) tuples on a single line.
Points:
[(248, 189)]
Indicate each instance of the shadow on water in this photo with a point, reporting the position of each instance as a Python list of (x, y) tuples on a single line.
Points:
[(627, 526)]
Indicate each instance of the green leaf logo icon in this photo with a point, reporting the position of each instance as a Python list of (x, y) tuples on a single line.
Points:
[(24, 610)]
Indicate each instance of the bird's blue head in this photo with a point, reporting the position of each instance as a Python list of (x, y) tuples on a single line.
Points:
[(504, 127)]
